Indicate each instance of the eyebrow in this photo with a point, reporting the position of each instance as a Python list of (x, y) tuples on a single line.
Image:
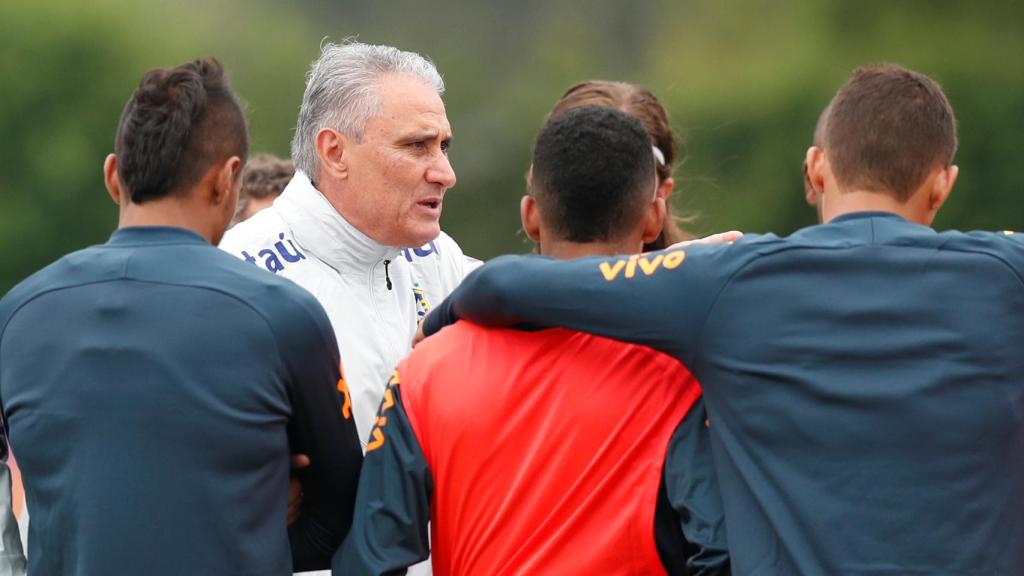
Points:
[(424, 135)]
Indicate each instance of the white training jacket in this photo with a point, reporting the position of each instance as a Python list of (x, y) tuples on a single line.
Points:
[(373, 294)]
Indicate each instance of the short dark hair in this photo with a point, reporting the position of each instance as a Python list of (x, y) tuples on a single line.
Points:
[(642, 104), (887, 128), (593, 173), (264, 176), (178, 122)]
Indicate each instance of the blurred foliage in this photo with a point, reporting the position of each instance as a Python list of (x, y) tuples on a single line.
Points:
[(744, 83)]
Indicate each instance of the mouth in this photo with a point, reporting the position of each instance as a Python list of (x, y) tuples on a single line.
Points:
[(430, 204)]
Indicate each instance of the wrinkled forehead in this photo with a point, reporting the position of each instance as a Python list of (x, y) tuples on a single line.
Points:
[(407, 102)]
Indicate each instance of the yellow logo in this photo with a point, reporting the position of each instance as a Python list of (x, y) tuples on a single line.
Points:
[(646, 263), (377, 437), (346, 407)]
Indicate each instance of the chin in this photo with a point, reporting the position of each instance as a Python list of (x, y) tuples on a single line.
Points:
[(420, 236)]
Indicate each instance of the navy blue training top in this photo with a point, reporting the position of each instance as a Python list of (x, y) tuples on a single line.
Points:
[(864, 381), (153, 389)]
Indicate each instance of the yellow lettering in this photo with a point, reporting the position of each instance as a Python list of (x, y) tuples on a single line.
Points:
[(377, 442), (394, 379), (610, 271), (649, 266), (389, 400), (346, 406), (1008, 232), (674, 259), (631, 266)]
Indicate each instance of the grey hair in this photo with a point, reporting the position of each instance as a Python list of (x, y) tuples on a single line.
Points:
[(341, 93)]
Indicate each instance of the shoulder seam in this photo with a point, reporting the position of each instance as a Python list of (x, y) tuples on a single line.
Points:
[(1003, 261), (223, 292), (938, 248), (3, 329), (714, 302)]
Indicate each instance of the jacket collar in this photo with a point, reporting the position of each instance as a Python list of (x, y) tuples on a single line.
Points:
[(869, 214), (319, 228), (138, 235)]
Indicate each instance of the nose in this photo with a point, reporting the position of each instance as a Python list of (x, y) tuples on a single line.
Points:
[(441, 172)]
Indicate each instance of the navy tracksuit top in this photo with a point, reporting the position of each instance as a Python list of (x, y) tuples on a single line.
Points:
[(153, 389), (864, 381)]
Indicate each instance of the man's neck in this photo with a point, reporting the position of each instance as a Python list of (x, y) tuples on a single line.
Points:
[(164, 212), (564, 250), (837, 204)]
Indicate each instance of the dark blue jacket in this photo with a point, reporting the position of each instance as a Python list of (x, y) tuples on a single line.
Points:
[(153, 389), (864, 381)]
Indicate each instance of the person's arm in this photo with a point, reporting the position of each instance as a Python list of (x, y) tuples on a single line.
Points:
[(693, 493), (390, 529), (1016, 238), (321, 428), (658, 299)]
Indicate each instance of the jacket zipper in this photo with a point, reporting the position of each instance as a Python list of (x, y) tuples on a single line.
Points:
[(386, 277)]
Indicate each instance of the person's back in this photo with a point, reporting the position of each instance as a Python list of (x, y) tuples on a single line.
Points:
[(862, 378), (554, 464), (154, 387), (137, 428), (893, 425), (545, 453)]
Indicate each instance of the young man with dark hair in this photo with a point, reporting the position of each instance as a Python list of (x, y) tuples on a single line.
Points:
[(863, 377), (544, 453), (153, 387)]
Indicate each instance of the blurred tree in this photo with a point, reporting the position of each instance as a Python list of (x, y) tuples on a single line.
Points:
[(743, 81)]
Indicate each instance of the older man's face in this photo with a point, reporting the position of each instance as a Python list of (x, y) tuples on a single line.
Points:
[(399, 173)]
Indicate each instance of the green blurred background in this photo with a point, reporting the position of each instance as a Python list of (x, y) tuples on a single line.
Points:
[(743, 81)]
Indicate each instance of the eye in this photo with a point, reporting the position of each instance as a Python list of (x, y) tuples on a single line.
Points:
[(445, 144), (419, 144)]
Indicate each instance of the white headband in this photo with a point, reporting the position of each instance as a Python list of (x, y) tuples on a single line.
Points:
[(658, 155)]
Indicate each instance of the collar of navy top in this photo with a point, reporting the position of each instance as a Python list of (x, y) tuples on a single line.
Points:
[(868, 214), (135, 235)]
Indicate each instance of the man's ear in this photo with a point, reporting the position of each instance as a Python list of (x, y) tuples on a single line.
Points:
[(814, 175), (942, 187), (224, 181), (529, 213), (111, 180), (331, 147), (654, 220)]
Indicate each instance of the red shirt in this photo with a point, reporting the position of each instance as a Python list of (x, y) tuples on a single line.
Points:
[(546, 448)]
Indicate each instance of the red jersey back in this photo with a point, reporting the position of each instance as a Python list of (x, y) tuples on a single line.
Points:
[(546, 448)]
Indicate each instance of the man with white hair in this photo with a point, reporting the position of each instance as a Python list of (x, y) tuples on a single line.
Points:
[(358, 226)]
